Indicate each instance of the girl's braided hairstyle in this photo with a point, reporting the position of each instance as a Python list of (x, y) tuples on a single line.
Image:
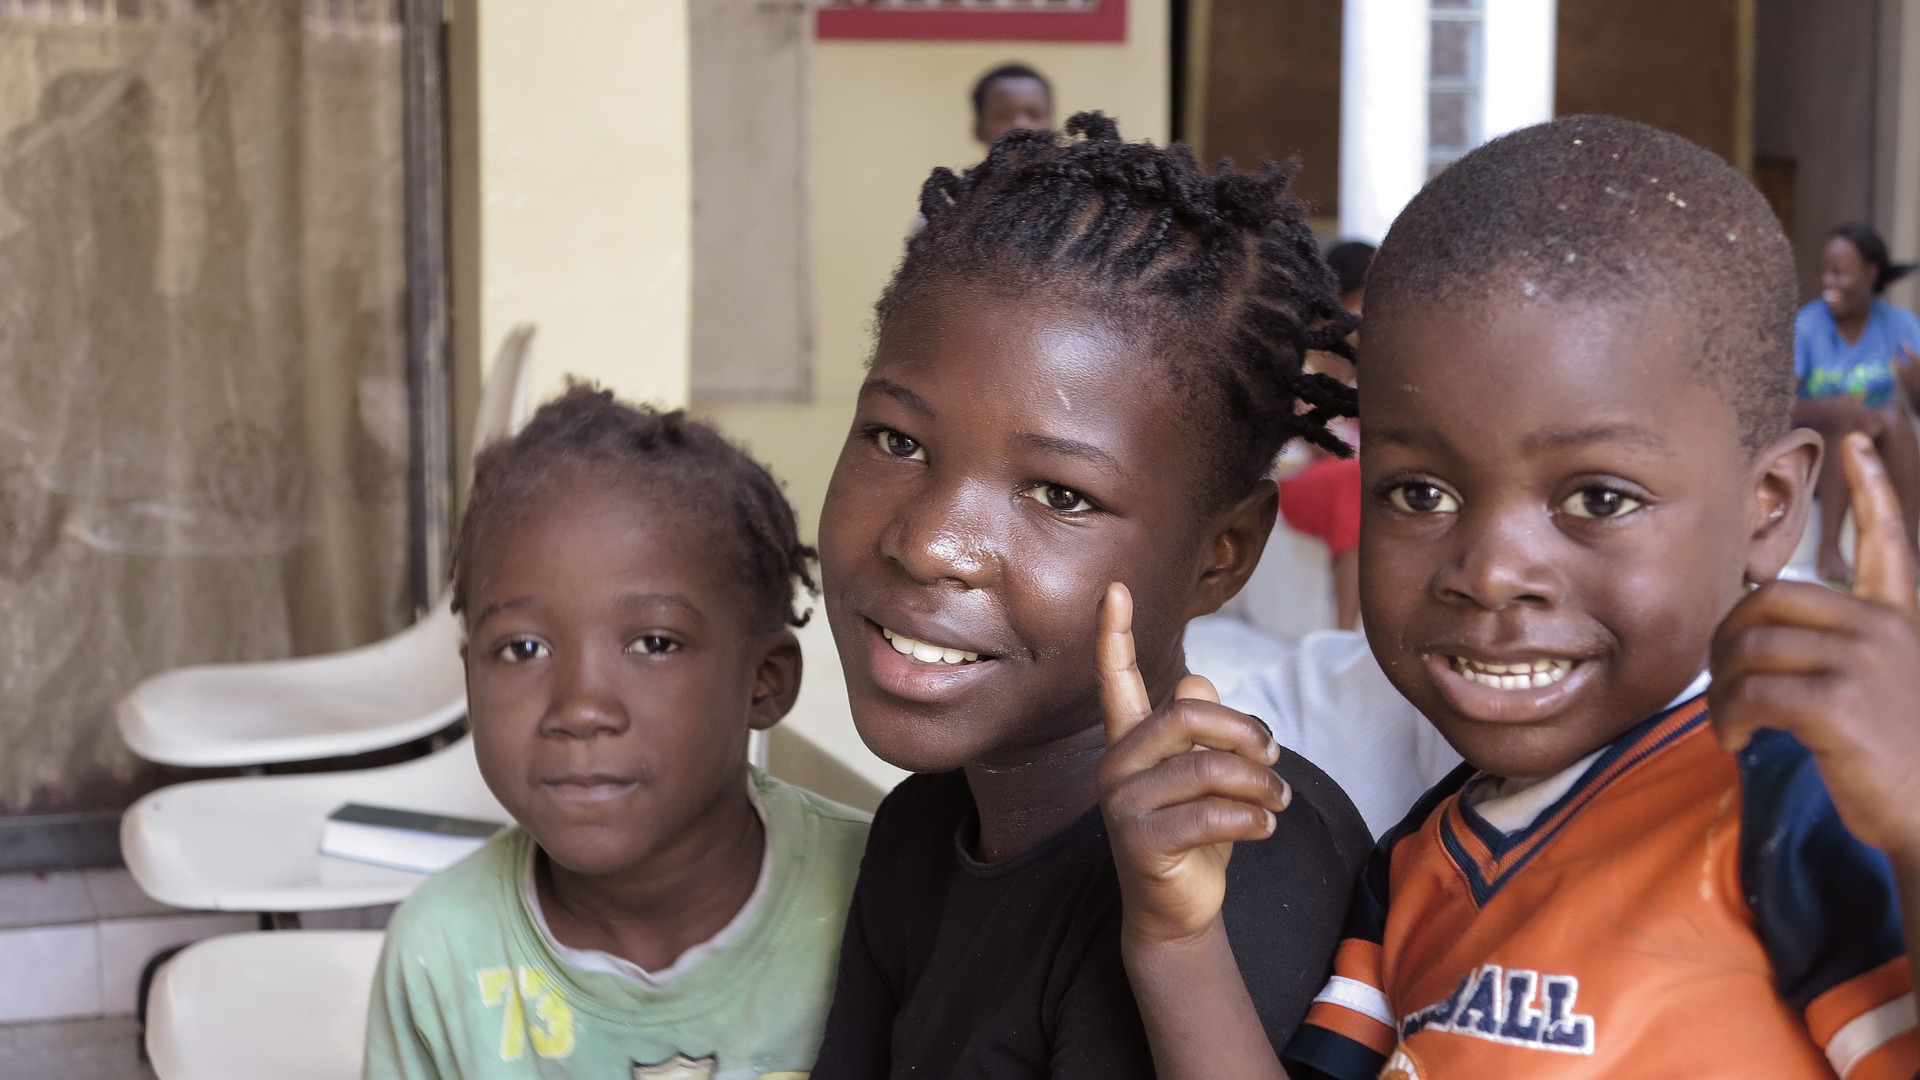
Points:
[(1214, 270), (587, 434)]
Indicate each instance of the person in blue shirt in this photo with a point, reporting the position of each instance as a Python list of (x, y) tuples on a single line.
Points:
[(1854, 355)]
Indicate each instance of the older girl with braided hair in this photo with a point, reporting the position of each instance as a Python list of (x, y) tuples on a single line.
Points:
[(1086, 364)]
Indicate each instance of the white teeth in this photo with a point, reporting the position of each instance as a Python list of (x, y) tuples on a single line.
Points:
[(926, 653), (1527, 674)]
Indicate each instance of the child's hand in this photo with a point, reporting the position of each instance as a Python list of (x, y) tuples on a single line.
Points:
[(1840, 672), (1178, 786)]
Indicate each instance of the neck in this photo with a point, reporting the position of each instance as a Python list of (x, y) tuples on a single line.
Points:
[(1855, 324), (1026, 796), (656, 910), (1023, 797)]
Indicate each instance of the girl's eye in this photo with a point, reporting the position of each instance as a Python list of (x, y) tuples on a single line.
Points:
[(1599, 502), (652, 645), (1054, 497), (1420, 497), (521, 650), (893, 444)]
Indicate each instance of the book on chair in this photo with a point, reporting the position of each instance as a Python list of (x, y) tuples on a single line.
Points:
[(402, 839)]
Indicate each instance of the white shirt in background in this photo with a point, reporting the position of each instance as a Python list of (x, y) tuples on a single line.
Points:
[(1326, 699)]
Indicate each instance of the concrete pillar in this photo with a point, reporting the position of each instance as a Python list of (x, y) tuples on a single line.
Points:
[(1383, 113), (1383, 97)]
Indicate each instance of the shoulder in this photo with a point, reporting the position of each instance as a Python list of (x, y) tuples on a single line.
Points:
[(835, 833), (1812, 316), (1824, 902), (913, 830), (1328, 812), (478, 890), (1905, 324), (1288, 896)]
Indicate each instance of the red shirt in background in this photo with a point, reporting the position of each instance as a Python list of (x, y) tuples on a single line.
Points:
[(1323, 500)]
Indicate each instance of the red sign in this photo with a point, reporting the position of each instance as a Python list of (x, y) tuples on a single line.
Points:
[(972, 20)]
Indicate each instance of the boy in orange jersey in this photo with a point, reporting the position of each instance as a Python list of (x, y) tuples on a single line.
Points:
[(1580, 483)]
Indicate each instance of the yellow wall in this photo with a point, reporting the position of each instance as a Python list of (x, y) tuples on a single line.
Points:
[(571, 193), (883, 113)]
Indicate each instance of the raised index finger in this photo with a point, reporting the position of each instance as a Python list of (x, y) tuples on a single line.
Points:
[(1882, 565), (1123, 693)]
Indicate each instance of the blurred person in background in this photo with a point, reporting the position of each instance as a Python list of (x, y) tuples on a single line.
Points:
[(1854, 356), (1008, 98), (1322, 498)]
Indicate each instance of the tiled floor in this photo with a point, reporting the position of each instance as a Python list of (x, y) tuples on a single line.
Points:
[(87, 935), (99, 1049)]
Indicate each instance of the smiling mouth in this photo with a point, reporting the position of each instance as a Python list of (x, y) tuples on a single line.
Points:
[(1522, 675), (925, 652)]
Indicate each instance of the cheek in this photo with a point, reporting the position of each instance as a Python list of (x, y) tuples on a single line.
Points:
[(1393, 577)]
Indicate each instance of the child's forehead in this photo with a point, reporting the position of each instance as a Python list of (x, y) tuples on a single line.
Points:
[(1499, 364)]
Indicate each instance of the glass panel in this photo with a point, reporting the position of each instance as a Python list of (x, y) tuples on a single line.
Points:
[(1454, 50), (204, 442), (1450, 120)]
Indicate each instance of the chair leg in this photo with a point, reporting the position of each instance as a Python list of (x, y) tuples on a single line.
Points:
[(146, 988)]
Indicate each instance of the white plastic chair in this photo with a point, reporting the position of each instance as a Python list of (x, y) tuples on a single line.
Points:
[(290, 1006), (391, 692), (252, 843)]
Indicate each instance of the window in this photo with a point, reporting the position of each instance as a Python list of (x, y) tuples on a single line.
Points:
[(1456, 66)]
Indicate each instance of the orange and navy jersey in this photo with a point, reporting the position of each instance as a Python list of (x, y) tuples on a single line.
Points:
[(1679, 912)]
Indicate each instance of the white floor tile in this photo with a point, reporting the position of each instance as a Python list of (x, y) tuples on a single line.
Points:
[(44, 899), (49, 972), (115, 895), (102, 1049), (127, 944)]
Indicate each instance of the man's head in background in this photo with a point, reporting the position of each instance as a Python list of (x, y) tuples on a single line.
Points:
[(1010, 97), (1349, 261)]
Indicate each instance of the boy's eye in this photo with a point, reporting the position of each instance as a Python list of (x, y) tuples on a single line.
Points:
[(894, 444), (1064, 499), (521, 650), (1599, 502), (652, 645), (1420, 497)]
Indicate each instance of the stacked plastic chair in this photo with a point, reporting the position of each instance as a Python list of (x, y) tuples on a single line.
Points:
[(293, 1005)]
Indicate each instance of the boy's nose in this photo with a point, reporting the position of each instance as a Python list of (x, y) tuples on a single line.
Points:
[(943, 536), (1501, 561), (585, 703)]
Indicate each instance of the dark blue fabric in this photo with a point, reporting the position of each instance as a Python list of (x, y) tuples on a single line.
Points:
[(1319, 1054), (1367, 915), (1825, 903)]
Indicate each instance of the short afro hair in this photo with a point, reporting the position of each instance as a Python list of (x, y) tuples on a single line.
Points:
[(586, 434), (1005, 71), (1600, 210)]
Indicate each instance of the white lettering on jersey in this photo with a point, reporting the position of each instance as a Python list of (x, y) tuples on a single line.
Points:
[(1512, 1006)]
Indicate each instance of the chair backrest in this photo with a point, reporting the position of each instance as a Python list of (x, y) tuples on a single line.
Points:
[(503, 394)]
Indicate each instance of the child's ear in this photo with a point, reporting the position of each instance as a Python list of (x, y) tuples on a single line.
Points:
[(1239, 536), (776, 682), (1783, 476)]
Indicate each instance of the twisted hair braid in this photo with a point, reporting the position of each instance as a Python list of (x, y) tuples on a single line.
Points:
[(1214, 269), (586, 433)]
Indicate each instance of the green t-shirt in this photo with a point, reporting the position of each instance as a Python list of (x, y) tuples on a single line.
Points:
[(470, 987)]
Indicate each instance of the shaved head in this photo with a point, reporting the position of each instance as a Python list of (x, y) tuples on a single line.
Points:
[(1599, 211)]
